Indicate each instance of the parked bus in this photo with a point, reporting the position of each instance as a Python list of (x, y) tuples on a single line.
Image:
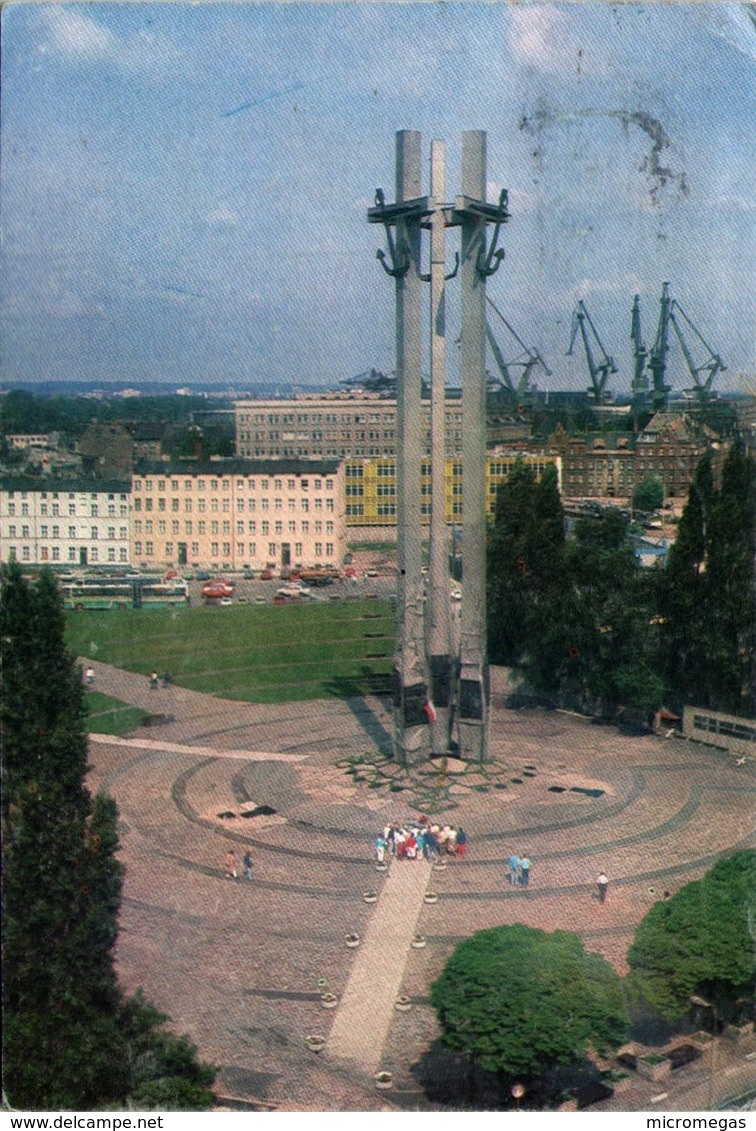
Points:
[(138, 591)]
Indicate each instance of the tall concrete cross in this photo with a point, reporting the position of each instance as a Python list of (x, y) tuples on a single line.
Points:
[(426, 690)]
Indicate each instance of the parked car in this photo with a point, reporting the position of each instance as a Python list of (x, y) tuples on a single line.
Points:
[(266, 575)]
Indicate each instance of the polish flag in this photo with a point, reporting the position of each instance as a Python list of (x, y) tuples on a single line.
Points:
[(430, 711)]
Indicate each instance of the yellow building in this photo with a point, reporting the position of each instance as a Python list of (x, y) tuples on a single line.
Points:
[(370, 487)]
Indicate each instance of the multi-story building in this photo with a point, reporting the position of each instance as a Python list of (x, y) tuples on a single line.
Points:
[(64, 522), (370, 486), (611, 465), (343, 424), (237, 513)]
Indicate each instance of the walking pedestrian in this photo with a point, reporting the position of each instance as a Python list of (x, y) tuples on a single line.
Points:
[(514, 868), (602, 883), (230, 866), (247, 862), (524, 871), (461, 841), (380, 849), (153, 681), (89, 675)]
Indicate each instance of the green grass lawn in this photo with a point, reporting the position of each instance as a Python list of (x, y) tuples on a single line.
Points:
[(108, 715), (263, 654)]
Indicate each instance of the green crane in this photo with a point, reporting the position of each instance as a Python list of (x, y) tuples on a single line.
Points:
[(581, 320), (517, 396)]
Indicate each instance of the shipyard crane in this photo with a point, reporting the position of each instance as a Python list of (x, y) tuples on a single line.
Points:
[(669, 312), (657, 359), (713, 364), (516, 395), (599, 373)]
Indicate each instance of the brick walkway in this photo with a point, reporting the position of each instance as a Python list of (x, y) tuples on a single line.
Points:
[(241, 966)]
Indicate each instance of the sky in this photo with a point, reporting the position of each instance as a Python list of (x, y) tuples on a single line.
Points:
[(184, 187)]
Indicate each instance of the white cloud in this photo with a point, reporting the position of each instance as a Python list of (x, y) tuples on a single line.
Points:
[(76, 36), (541, 37), (223, 217)]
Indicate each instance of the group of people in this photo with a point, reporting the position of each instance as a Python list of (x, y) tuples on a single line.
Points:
[(231, 865), (519, 870), (422, 841)]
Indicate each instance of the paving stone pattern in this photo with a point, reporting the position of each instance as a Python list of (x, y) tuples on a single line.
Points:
[(241, 965)]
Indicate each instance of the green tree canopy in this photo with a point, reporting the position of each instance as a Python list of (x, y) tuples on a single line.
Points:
[(648, 494), (518, 1000), (700, 940), (68, 1036), (706, 595)]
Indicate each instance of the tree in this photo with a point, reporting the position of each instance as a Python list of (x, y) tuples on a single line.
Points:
[(518, 1000), (65, 1024), (708, 639), (525, 563), (684, 594), (61, 1041), (732, 595), (648, 494), (699, 941)]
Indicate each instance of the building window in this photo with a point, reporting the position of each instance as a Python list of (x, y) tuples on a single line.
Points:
[(169, 549), (175, 526), (123, 555), (148, 549), (318, 549), (271, 549), (226, 549), (93, 533), (298, 549), (329, 549), (138, 549), (214, 549), (195, 548), (278, 529), (72, 553), (94, 555)]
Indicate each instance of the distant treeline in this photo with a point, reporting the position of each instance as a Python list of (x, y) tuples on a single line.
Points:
[(24, 412)]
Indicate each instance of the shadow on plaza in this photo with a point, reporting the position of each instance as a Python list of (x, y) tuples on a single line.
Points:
[(353, 690), (453, 1081)]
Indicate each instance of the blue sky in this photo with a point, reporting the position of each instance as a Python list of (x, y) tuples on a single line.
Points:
[(184, 187)]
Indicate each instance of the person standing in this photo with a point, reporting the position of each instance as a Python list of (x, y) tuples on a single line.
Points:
[(230, 866), (524, 871), (153, 681), (461, 841), (514, 868), (380, 849), (602, 884), (247, 862), (89, 675)]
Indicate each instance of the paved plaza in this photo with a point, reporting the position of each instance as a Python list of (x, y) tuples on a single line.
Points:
[(242, 966)]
